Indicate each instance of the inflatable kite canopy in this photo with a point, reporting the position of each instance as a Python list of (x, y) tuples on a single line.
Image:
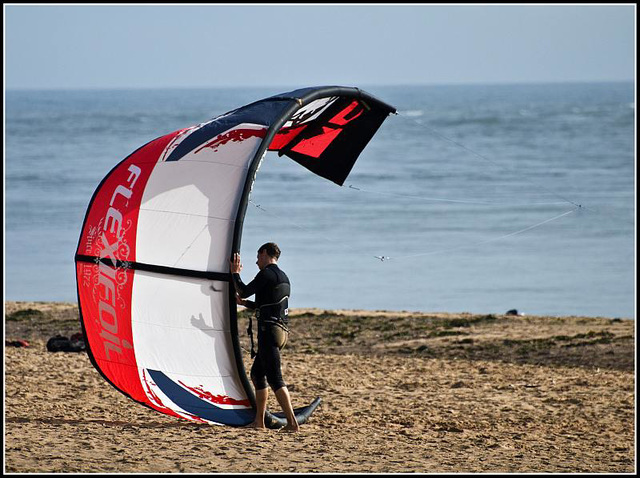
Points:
[(152, 265)]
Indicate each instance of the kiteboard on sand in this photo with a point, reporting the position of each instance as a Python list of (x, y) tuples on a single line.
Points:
[(152, 265)]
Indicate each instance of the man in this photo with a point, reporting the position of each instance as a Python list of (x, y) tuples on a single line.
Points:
[(271, 287)]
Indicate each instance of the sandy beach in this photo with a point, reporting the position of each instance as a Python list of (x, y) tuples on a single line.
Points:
[(402, 392)]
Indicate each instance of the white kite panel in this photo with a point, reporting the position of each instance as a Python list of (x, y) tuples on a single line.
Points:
[(186, 242), (179, 325), (195, 188)]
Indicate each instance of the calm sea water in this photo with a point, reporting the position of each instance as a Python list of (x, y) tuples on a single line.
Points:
[(448, 191)]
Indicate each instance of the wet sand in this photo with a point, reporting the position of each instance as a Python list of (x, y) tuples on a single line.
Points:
[(402, 392)]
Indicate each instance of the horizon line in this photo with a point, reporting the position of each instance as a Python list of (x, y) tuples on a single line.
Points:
[(293, 85)]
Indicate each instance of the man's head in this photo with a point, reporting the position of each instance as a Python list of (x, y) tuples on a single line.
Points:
[(268, 254)]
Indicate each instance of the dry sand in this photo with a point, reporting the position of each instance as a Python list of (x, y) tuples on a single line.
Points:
[(403, 392)]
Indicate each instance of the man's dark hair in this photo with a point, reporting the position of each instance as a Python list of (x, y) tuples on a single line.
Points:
[(272, 249)]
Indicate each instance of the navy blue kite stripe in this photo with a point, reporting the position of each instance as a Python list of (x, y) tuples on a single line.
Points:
[(201, 408), (263, 112)]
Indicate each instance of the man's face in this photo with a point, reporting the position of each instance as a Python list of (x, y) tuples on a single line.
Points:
[(263, 259)]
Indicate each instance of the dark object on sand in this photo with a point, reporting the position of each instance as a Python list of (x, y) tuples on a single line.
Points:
[(511, 312), (16, 343), (60, 343)]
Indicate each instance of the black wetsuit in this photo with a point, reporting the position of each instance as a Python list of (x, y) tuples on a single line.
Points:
[(271, 287)]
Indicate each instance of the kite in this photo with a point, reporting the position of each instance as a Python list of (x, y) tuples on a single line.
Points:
[(156, 304)]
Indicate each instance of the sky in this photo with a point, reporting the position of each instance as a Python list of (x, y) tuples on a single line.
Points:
[(187, 46)]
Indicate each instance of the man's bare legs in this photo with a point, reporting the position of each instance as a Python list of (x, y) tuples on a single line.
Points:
[(261, 408), (284, 399)]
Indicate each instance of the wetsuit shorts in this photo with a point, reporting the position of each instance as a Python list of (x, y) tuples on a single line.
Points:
[(266, 366)]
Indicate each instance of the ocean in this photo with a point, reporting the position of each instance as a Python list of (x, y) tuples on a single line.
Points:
[(473, 198)]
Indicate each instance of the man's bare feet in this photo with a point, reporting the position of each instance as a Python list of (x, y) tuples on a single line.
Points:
[(259, 426), (291, 428)]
